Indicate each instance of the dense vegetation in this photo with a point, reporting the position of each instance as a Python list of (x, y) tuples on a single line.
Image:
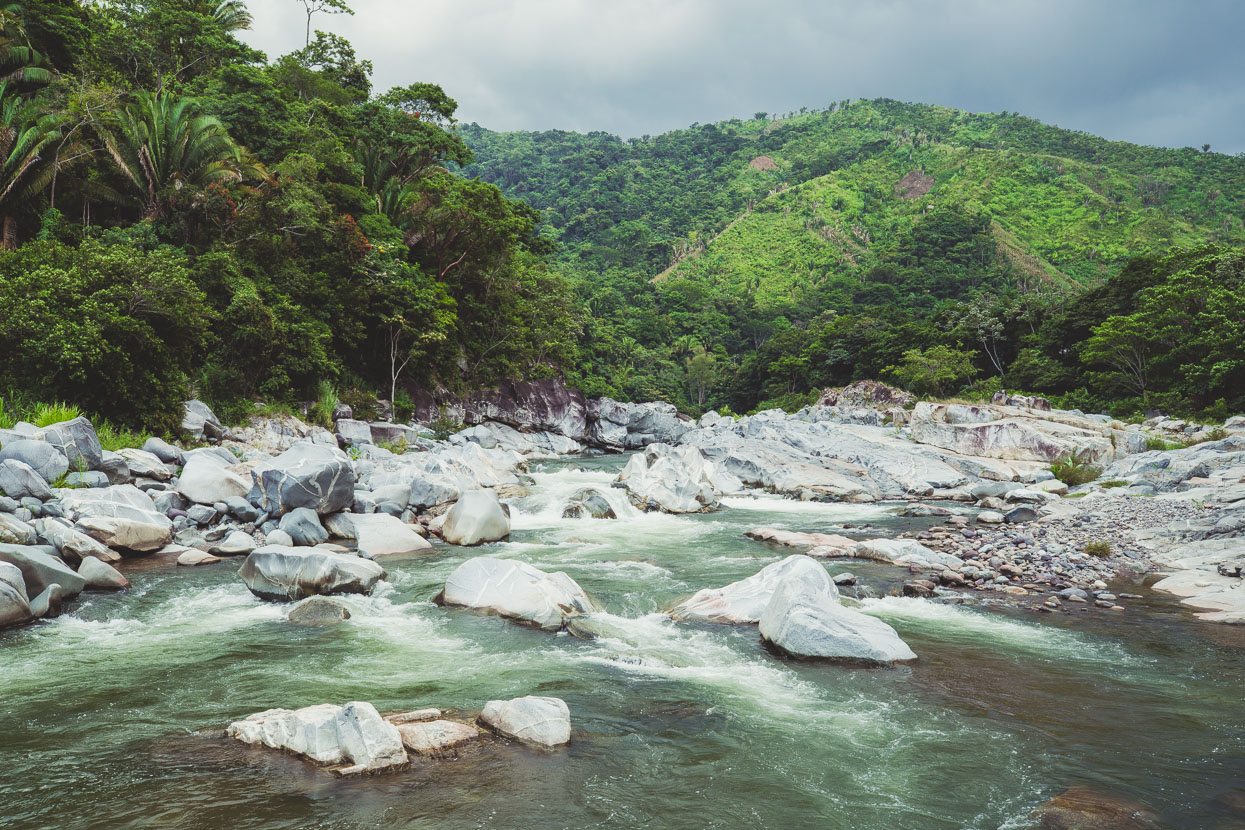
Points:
[(752, 261), (179, 214)]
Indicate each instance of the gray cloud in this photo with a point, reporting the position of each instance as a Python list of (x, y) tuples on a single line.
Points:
[(1149, 72)]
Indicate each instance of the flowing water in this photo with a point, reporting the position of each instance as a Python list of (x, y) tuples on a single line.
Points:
[(108, 715)]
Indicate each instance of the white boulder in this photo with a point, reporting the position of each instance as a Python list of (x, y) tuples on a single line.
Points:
[(807, 620), (353, 735), (542, 721), (516, 590), (745, 600), (476, 517)]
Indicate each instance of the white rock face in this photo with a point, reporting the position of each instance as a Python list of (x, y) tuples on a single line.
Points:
[(476, 517), (1013, 433), (205, 480), (431, 737), (354, 734), (542, 721), (516, 590), (285, 574), (745, 600), (807, 620), (902, 552), (378, 535), (676, 480)]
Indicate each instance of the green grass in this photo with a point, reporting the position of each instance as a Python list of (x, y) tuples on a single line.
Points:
[(327, 399), (1071, 471), (46, 414), (395, 447), (1107, 485), (113, 438), (1153, 442)]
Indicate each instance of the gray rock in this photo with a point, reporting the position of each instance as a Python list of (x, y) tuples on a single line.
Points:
[(1019, 514), (169, 500), (77, 441), (303, 526), (236, 543), (163, 450), (45, 459), (100, 576), (808, 620), (201, 514), (14, 531), (50, 602), (19, 480), (284, 574), (436, 736), (241, 509), (744, 601), (205, 480), (318, 611), (40, 568), (115, 468), (146, 465), (476, 517), (192, 558), (201, 422), (588, 504), (541, 721), (280, 538), (307, 475), (8, 505), (353, 433), (88, 479), (14, 604)]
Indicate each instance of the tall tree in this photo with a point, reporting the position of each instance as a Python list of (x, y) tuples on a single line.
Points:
[(327, 6)]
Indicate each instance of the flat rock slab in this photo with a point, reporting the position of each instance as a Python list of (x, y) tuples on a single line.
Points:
[(806, 541), (433, 737)]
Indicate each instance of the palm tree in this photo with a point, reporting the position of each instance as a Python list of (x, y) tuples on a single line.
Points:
[(32, 149), (161, 143), (232, 15), (19, 63)]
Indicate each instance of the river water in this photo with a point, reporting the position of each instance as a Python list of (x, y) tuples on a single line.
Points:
[(107, 715)]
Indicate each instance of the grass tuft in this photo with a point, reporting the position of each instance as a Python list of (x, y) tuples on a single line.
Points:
[(1099, 548), (46, 414), (1072, 471)]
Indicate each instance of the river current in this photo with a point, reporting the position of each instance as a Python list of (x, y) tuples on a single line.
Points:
[(110, 715)]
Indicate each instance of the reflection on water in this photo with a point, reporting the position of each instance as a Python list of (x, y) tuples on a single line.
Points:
[(109, 714)]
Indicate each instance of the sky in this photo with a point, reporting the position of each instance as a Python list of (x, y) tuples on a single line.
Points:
[(1163, 73)]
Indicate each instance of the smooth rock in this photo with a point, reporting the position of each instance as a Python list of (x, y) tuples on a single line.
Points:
[(541, 721), (303, 526), (100, 576), (46, 460), (807, 620), (19, 480), (318, 611), (14, 604), (516, 590), (309, 475), (50, 602), (1020, 514), (379, 535), (286, 574), (476, 517), (205, 480), (744, 601), (588, 504), (192, 558), (77, 441), (164, 451), (236, 543), (433, 737), (40, 568)]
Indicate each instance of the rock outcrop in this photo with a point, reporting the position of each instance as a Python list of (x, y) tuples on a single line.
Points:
[(353, 737), (676, 480)]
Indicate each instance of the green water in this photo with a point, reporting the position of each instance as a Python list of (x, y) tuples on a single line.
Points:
[(106, 714)]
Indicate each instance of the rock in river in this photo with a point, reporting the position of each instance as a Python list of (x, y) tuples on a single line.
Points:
[(808, 620), (40, 568), (318, 611), (14, 605), (354, 735), (745, 600), (516, 590), (476, 517), (588, 504), (543, 721), (100, 576), (285, 574), (432, 737)]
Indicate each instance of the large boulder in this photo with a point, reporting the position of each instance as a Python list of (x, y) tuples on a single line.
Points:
[(45, 459), (309, 475), (804, 619), (476, 517), (436, 736), (541, 721), (73, 545), (163, 450), (40, 568), (16, 532), (14, 604), (77, 441), (617, 426), (676, 480), (121, 516), (201, 422), (206, 479), (1010, 433), (378, 535), (744, 601), (283, 574), (100, 576), (18, 480), (303, 526), (516, 590), (354, 735)]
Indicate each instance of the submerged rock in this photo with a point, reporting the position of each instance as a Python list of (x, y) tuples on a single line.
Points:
[(432, 737), (744, 601), (476, 517), (191, 558), (542, 721), (354, 735), (285, 574), (516, 590), (318, 611), (1083, 809), (808, 620), (588, 504)]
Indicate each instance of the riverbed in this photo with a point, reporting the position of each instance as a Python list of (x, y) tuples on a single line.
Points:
[(111, 713)]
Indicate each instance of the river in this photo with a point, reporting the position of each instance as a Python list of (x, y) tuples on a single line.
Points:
[(107, 715)]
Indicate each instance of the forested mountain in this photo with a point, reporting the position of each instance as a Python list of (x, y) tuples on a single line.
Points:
[(746, 260)]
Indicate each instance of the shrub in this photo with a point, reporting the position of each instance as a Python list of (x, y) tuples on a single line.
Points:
[(1072, 471), (395, 447), (445, 424), (327, 399), (403, 406), (361, 403), (113, 438), (1099, 548), (1153, 442), (1107, 485)]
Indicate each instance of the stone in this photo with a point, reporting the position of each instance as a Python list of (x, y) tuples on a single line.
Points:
[(201, 514), (353, 433), (46, 460), (318, 611), (1020, 514), (676, 480), (145, 465), (434, 737), (14, 604), (192, 558), (163, 450), (19, 480), (240, 509), (303, 526), (1083, 809), (100, 576), (282, 574), (279, 537), (516, 590), (14, 531), (237, 543), (90, 478), (206, 480), (379, 535), (77, 441), (745, 600), (201, 422), (116, 469), (540, 721), (990, 517), (588, 504), (476, 517), (40, 568), (826, 544), (903, 552), (309, 475), (844, 579), (353, 735), (50, 602), (808, 620)]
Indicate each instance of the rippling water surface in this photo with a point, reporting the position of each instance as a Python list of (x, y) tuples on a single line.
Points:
[(106, 714)]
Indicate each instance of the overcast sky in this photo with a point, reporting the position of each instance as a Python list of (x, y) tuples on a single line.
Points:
[(1166, 73)]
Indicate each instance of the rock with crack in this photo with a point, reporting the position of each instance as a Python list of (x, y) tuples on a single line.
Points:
[(825, 543), (310, 475), (121, 516), (744, 601), (436, 736), (353, 737), (539, 721), (46, 460), (18, 480), (516, 590), (284, 574), (77, 441), (676, 480), (378, 535), (805, 619), (903, 552)]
